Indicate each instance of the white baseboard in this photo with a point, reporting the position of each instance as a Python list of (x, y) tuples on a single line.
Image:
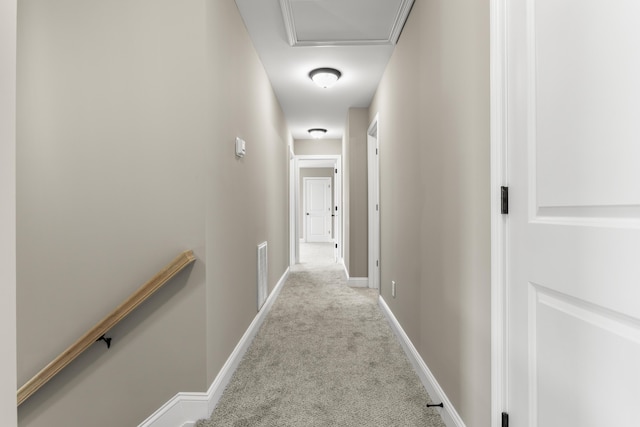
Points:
[(344, 267), (184, 409), (449, 414), (358, 282), (354, 282)]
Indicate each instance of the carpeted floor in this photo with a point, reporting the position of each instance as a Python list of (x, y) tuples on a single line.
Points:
[(317, 257), (325, 356)]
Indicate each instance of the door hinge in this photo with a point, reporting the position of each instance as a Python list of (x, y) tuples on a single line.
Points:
[(504, 200), (376, 151), (336, 170), (377, 207), (336, 246), (505, 419), (377, 263)]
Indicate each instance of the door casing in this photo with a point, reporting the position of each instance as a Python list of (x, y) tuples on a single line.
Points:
[(498, 157), (313, 161), (373, 171)]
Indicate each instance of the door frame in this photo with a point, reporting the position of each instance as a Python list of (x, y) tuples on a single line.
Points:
[(373, 209), (293, 231), (305, 194), (8, 367), (499, 223), (313, 161)]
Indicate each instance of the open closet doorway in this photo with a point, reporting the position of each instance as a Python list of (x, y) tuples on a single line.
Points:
[(316, 209)]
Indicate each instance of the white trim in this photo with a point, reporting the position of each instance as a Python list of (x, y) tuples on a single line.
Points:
[(289, 23), (293, 231), (394, 34), (358, 282), (374, 205), (344, 266), (263, 273), (8, 386), (449, 414), (312, 162), (315, 161), (184, 409), (401, 19), (354, 282), (294, 208), (499, 177)]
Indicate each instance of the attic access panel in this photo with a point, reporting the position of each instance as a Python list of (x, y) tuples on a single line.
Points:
[(344, 22)]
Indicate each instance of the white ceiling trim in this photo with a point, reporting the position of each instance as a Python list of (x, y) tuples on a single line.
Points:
[(394, 35), (401, 18), (289, 24)]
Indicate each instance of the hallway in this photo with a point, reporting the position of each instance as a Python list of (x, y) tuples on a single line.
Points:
[(502, 233), (128, 116), (325, 356)]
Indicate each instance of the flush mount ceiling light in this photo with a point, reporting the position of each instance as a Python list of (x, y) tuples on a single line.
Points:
[(325, 77), (317, 133)]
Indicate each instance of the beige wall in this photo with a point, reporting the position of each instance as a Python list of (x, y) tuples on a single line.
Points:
[(7, 214), (110, 188), (311, 173), (356, 161), (433, 103), (307, 147), (125, 158), (247, 198)]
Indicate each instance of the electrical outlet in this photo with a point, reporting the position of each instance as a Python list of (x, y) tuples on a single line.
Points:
[(393, 288)]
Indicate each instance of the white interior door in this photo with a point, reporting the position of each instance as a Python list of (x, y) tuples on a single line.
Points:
[(574, 221), (317, 193)]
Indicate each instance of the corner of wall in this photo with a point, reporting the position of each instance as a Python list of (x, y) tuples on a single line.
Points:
[(356, 133)]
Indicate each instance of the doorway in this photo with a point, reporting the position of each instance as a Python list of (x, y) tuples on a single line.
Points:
[(298, 165), (373, 171)]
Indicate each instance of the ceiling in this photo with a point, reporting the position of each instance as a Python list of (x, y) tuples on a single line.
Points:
[(293, 37)]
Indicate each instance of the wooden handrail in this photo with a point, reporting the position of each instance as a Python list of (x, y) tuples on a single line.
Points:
[(137, 298)]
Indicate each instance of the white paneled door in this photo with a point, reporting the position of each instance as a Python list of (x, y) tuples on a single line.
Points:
[(317, 193), (574, 221)]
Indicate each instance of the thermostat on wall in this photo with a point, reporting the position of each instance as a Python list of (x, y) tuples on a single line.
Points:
[(241, 148)]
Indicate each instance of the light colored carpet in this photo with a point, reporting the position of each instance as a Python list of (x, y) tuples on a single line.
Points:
[(325, 356), (317, 257)]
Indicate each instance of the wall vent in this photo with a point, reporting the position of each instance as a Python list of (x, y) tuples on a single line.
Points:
[(262, 274)]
